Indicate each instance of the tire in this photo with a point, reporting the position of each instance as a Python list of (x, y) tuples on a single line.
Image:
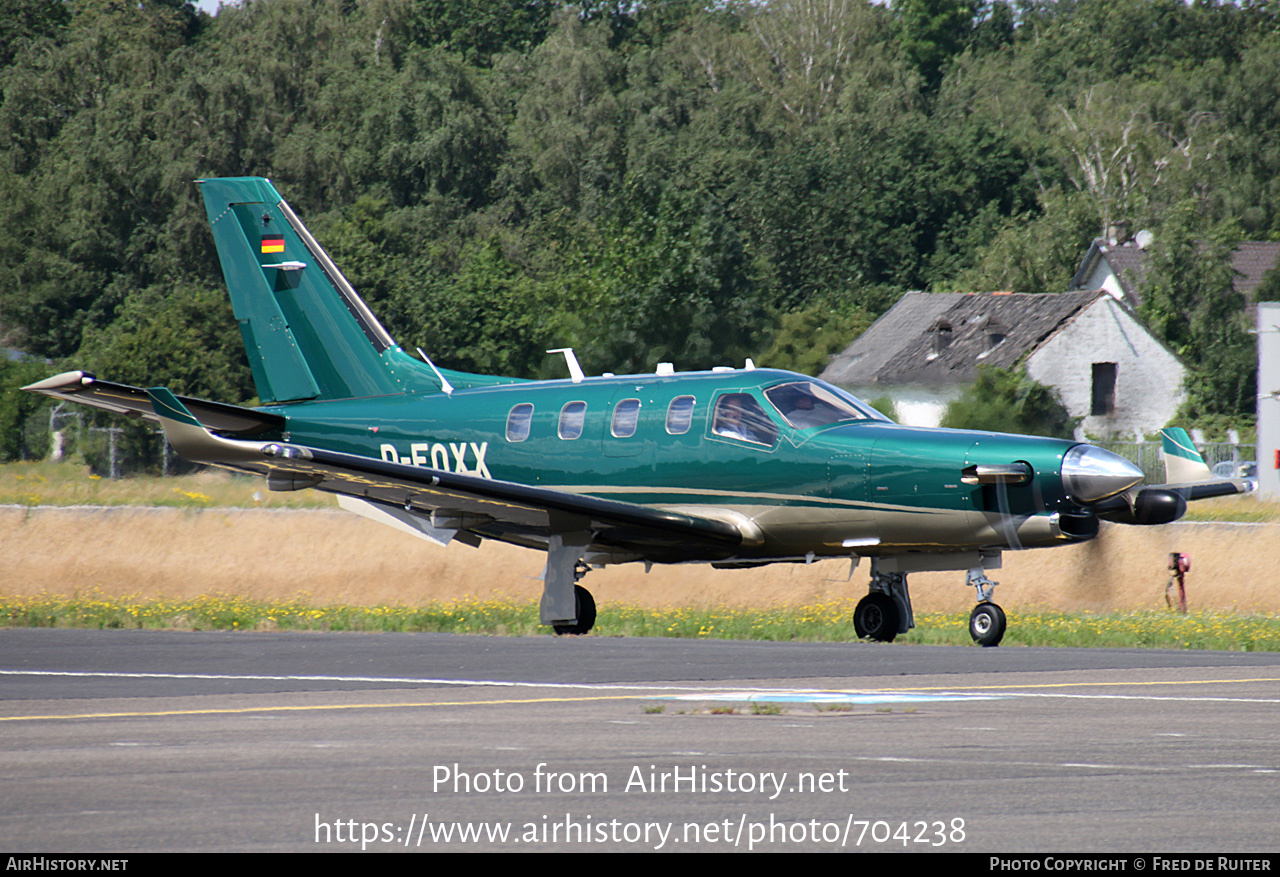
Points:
[(987, 624), (586, 606), (876, 617)]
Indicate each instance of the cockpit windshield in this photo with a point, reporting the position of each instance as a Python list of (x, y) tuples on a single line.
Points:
[(805, 404)]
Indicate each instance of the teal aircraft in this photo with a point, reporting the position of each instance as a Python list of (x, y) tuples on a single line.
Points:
[(736, 467)]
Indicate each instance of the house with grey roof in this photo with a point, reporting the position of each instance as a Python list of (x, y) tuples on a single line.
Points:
[(1105, 365), (1118, 265)]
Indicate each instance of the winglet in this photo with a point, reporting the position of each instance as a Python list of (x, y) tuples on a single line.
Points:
[(167, 406), (192, 440), (1182, 462)]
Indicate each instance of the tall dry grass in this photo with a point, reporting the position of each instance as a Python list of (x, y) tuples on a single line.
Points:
[(329, 556)]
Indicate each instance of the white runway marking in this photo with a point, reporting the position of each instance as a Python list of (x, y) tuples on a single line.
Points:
[(398, 680), (687, 692), (863, 697)]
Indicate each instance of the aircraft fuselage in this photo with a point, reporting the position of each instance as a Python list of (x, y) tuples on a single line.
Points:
[(865, 487)]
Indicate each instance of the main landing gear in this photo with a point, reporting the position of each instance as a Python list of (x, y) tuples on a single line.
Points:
[(886, 611), (567, 607), (876, 617), (586, 606)]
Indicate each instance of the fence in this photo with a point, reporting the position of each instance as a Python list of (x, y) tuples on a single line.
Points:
[(1147, 456)]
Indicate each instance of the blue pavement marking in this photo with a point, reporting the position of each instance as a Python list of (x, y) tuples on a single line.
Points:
[(851, 697)]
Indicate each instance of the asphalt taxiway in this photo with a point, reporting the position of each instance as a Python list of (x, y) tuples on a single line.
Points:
[(122, 741)]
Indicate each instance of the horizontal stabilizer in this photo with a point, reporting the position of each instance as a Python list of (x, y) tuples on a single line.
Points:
[(86, 389)]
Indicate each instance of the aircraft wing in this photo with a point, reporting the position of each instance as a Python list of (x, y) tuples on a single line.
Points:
[(449, 503), (1210, 489), (86, 389)]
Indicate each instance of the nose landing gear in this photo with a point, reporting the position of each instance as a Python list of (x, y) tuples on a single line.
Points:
[(987, 621)]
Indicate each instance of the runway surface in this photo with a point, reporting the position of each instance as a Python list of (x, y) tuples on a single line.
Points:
[(127, 741)]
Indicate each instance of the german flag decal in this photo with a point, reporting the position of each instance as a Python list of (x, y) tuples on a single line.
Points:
[(273, 243)]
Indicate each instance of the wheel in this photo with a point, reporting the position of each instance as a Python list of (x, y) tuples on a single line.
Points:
[(876, 617), (987, 624), (586, 606)]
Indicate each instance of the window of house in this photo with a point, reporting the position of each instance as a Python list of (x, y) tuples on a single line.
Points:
[(941, 337), (572, 416), (519, 421), (626, 416), (1104, 388), (680, 415)]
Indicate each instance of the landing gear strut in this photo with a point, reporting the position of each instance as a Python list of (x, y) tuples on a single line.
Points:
[(987, 622), (566, 606)]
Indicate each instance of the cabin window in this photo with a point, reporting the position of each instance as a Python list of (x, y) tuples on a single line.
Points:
[(572, 417), (680, 415), (1104, 389), (519, 421), (739, 416), (626, 416)]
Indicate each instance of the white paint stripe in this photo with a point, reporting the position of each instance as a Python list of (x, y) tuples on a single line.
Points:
[(1149, 697), (693, 691), (824, 697), (399, 680)]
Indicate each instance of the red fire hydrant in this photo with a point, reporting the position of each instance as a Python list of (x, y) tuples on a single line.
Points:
[(1179, 566)]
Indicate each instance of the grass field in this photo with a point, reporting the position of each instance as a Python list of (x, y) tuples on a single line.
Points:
[(71, 484), (830, 622)]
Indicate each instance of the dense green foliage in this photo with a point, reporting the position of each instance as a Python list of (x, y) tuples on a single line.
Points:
[(1189, 301), (673, 180)]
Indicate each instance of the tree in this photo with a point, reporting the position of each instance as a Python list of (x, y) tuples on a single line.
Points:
[(806, 339), (17, 408), (1124, 157), (568, 133), (26, 21), (1033, 253), (932, 32), (480, 29), (1190, 302), (183, 337), (1002, 400), (800, 52)]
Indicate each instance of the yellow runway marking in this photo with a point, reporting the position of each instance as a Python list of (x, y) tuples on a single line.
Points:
[(710, 692)]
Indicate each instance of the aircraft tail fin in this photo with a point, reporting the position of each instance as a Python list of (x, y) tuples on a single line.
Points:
[(307, 332), (1182, 462)]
